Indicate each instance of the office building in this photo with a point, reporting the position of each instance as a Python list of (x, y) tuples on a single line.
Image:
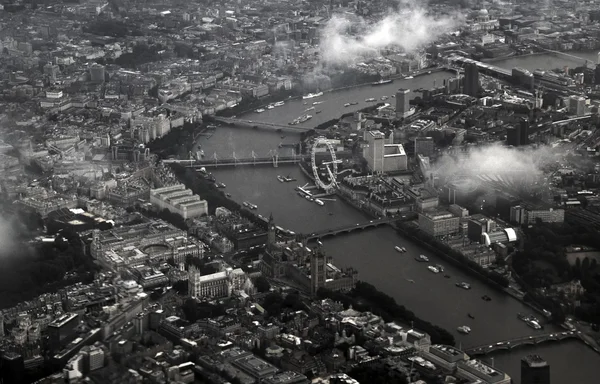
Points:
[(480, 372), (521, 215), (97, 73), (424, 146), (576, 105), (62, 330), (471, 79), (287, 377), (439, 223), (513, 136), (534, 370), (180, 200), (382, 155), (402, 103), (524, 131)]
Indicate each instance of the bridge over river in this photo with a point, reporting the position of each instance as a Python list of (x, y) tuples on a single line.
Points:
[(522, 341), (261, 124), (349, 228)]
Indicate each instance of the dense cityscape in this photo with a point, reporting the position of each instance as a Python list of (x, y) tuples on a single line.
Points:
[(294, 192)]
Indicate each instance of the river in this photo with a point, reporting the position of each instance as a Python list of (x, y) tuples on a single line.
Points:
[(432, 297)]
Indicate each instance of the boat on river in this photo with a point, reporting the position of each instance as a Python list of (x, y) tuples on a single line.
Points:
[(422, 258), (433, 269), (463, 285), (312, 95), (464, 329), (259, 110), (279, 103)]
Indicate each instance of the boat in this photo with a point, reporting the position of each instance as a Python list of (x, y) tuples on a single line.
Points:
[(228, 194), (221, 185), (317, 102), (397, 248), (270, 106), (253, 206), (259, 110), (354, 103), (347, 105), (422, 258), (384, 97), (382, 82), (409, 77), (486, 298), (441, 268), (319, 111), (429, 72), (310, 198), (403, 249), (370, 100), (280, 178), (288, 179), (320, 202), (470, 316), (309, 109), (312, 95), (447, 276), (410, 281), (279, 103), (330, 213), (305, 118), (464, 329), (246, 204), (463, 285), (530, 320), (433, 269)]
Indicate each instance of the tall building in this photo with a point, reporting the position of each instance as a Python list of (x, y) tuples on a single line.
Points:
[(424, 146), (271, 234), (576, 105), (402, 105), (524, 131), (534, 370), (51, 70), (318, 271), (62, 330), (471, 79), (513, 136), (97, 73), (374, 150)]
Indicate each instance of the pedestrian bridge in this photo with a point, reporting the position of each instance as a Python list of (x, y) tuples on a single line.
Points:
[(521, 341), (349, 228)]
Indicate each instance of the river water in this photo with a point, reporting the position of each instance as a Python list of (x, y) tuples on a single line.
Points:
[(432, 297)]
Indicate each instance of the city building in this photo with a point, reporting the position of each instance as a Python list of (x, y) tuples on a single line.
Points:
[(382, 155), (534, 370), (439, 223), (402, 103), (318, 271), (445, 356), (424, 146), (522, 215), (471, 79), (180, 200), (219, 284), (62, 330), (524, 131), (576, 105), (503, 236)]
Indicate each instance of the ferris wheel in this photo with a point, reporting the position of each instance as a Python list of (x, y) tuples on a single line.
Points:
[(331, 166)]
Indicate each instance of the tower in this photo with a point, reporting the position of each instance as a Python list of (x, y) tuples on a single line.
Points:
[(524, 132), (318, 271), (534, 370), (271, 233), (402, 105), (471, 79)]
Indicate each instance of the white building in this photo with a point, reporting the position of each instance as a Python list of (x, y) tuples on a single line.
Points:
[(180, 200), (219, 284)]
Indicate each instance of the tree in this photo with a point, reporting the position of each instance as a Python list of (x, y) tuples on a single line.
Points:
[(262, 284)]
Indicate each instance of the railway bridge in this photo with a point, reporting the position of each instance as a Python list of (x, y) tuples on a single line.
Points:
[(261, 124)]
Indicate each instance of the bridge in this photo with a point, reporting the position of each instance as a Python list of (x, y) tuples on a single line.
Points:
[(559, 122), (521, 341), (349, 228), (261, 124), (274, 160)]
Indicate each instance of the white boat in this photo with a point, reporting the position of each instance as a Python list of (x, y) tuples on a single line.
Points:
[(253, 206), (422, 258), (403, 249), (384, 97), (309, 109), (347, 105), (317, 102), (246, 204), (310, 198), (281, 179), (397, 248), (433, 269), (320, 202), (409, 77), (312, 95), (464, 329), (270, 106), (279, 103), (439, 267), (463, 285), (259, 110), (370, 99)]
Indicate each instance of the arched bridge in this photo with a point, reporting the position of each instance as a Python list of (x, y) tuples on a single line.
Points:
[(521, 341), (261, 124), (349, 228)]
